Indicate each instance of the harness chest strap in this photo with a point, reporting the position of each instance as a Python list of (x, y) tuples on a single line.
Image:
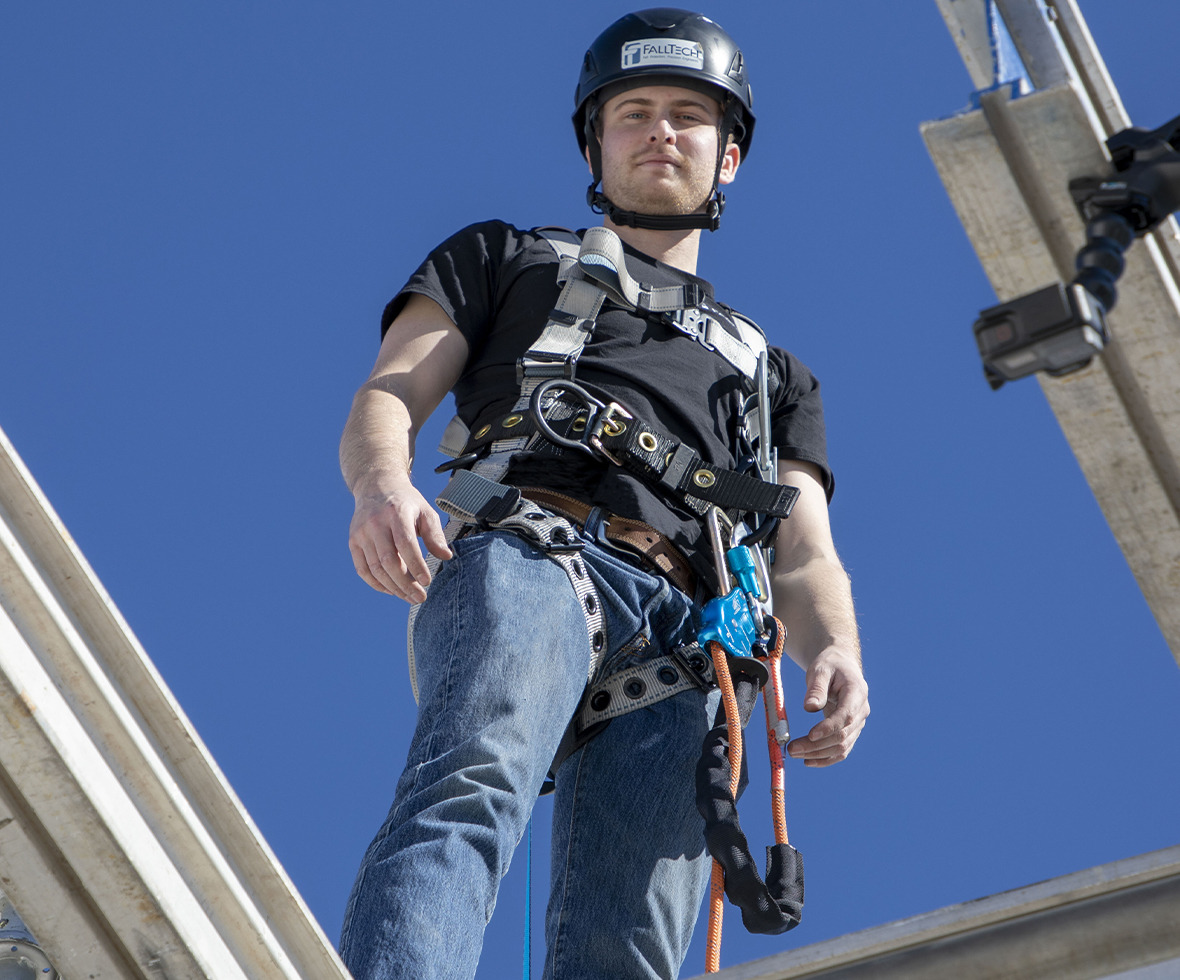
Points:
[(592, 270)]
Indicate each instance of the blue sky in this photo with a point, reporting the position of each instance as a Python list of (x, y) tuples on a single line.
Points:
[(205, 208)]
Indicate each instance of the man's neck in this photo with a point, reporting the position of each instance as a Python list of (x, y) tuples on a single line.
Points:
[(676, 248)]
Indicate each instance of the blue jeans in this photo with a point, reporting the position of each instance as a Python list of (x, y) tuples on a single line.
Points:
[(502, 655)]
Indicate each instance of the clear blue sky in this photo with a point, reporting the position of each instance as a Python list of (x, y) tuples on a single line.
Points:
[(205, 208)]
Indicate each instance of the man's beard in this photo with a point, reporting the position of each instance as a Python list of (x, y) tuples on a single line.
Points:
[(675, 197)]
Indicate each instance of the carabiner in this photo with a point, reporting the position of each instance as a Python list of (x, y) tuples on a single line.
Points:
[(717, 543)]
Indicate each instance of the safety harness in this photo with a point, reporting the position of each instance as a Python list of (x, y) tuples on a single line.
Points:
[(555, 413)]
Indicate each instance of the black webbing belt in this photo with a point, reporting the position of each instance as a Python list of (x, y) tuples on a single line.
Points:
[(658, 459)]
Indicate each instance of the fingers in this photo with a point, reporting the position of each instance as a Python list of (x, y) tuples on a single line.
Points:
[(431, 532), (380, 566), (383, 541), (837, 687)]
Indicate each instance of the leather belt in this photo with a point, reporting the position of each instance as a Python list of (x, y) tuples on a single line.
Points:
[(636, 536)]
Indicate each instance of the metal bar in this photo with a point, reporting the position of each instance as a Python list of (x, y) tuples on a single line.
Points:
[(1033, 31), (1006, 169), (967, 21), (1092, 924), (1082, 52), (121, 844)]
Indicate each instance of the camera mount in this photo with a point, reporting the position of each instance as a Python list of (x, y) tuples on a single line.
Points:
[(1059, 329)]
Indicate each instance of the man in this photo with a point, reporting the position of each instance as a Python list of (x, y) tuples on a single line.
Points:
[(610, 576)]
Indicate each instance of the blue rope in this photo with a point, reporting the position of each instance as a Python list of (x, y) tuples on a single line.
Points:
[(528, 899)]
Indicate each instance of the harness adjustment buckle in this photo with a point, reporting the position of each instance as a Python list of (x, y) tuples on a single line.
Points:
[(682, 459), (612, 421), (559, 543), (543, 366), (474, 499)]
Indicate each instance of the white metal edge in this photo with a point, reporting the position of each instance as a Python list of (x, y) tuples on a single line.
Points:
[(1089, 65), (964, 918), (280, 910), (967, 22), (71, 827), (53, 638)]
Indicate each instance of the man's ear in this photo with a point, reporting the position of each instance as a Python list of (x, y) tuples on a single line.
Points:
[(589, 166), (730, 161)]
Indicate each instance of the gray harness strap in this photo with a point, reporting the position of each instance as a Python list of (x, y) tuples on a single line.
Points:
[(470, 499)]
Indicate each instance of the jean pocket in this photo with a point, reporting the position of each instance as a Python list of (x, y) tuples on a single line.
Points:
[(634, 651)]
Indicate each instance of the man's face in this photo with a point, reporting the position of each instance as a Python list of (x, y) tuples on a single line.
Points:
[(659, 149)]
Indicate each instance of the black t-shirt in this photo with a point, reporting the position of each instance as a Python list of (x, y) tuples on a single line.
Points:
[(499, 283)]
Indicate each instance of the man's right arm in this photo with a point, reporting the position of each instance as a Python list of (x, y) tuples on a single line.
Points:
[(421, 357)]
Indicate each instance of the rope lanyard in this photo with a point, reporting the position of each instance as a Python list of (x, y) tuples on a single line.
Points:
[(776, 905), (528, 902)]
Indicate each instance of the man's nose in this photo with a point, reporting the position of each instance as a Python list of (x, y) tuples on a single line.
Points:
[(662, 131)]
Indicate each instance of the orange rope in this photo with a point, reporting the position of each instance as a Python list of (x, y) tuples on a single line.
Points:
[(734, 724), (772, 699), (776, 712)]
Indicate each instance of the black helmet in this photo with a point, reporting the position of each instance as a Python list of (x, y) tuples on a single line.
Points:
[(675, 47)]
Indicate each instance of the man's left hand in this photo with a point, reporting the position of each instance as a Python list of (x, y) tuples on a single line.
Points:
[(836, 686)]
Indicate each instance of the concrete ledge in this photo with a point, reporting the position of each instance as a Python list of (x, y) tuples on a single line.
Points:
[(1097, 923), (122, 847)]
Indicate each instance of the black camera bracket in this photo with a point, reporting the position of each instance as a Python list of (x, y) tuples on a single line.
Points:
[(1060, 328)]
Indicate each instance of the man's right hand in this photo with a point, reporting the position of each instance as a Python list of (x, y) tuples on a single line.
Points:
[(421, 357), (383, 539)]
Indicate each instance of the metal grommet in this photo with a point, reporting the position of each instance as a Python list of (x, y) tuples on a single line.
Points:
[(668, 459), (634, 688), (591, 603), (697, 663), (598, 643), (613, 427), (535, 515), (703, 478), (647, 442), (512, 420), (579, 424), (668, 675), (482, 431), (578, 569), (600, 701)]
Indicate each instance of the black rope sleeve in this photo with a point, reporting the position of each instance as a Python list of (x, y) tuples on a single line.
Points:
[(768, 907)]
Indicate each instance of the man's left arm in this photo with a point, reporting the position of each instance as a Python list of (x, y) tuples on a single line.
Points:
[(813, 598)]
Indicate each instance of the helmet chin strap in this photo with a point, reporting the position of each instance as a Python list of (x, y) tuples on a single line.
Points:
[(709, 219)]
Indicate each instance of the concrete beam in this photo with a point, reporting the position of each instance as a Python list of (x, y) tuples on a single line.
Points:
[(1104, 922), (1006, 167), (122, 846)]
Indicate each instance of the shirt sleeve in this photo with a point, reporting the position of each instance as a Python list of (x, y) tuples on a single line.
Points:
[(461, 276), (797, 416)]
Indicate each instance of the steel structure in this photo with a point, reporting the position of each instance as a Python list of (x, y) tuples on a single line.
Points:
[(1118, 920), (1045, 106), (122, 846)]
